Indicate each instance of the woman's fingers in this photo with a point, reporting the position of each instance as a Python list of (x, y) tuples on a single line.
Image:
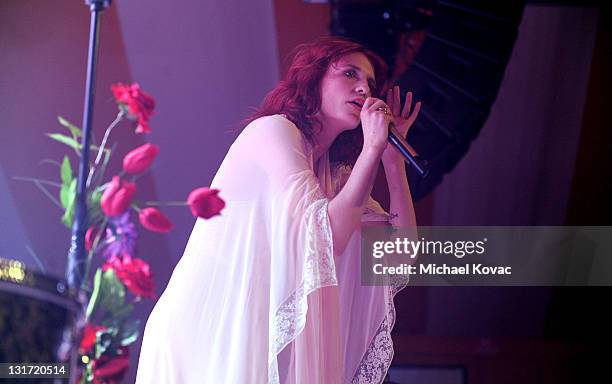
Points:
[(397, 102), (407, 104), (415, 113), (373, 107), (375, 118), (368, 102), (393, 100)]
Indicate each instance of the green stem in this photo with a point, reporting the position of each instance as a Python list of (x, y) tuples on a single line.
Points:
[(34, 180), (92, 251), (103, 144), (135, 178), (45, 161), (164, 203), (40, 184), (102, 169), (49, 195)]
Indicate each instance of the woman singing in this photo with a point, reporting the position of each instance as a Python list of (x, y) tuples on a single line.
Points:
[(270, 292)]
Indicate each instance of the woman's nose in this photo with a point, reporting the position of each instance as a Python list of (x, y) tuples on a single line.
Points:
[(363, 89)]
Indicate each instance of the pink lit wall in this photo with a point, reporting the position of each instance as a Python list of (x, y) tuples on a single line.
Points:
[(205, 62)]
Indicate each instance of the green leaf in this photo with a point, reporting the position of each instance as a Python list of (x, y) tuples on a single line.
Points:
[(74, 130), (95, 211), (95, 294), (72, 142), (70, 196), (65, 195), (130, 331), (108, 293), (69, 141), (95, 197), (113, 292), (66, 171)]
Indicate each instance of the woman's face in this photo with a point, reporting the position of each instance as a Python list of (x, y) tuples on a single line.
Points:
[(345, 86)]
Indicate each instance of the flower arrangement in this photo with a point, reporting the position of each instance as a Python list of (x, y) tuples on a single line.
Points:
[(123, 279)]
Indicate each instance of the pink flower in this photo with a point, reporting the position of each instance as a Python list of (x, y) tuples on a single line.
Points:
[(153, 220), (205, 203), (139, 159), (134, 273), (117, 197), (139, 104)]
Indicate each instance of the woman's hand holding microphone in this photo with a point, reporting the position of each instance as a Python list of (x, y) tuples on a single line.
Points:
[(376, 115), (375, 119)]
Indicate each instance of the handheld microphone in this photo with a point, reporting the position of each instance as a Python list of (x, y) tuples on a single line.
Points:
[(410, 155)]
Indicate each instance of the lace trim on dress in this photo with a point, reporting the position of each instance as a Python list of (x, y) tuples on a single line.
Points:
[(319, 271), (377, 359)]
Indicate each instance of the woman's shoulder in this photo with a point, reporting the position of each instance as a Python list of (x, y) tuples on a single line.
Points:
[(272, 123), (273, 130), (273, 134)]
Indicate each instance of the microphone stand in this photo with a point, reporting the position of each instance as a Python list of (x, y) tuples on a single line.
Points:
[(77, 258)]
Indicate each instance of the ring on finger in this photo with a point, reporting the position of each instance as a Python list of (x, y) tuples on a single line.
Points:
[(384, 110)]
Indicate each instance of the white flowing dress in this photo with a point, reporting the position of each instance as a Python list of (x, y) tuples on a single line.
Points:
[(257, 296)]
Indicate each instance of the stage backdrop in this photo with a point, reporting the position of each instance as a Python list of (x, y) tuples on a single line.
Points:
[(207, 62)]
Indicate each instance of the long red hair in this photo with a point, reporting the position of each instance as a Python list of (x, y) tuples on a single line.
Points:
[(298, 96)]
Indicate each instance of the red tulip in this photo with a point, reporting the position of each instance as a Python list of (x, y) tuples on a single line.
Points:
[(153, 220), (134, 273), (117, 197), (205, 203), (89, 337), (140, 105), (140, 159)]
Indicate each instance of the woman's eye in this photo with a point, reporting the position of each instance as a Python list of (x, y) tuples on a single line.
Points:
[(349, 73)]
